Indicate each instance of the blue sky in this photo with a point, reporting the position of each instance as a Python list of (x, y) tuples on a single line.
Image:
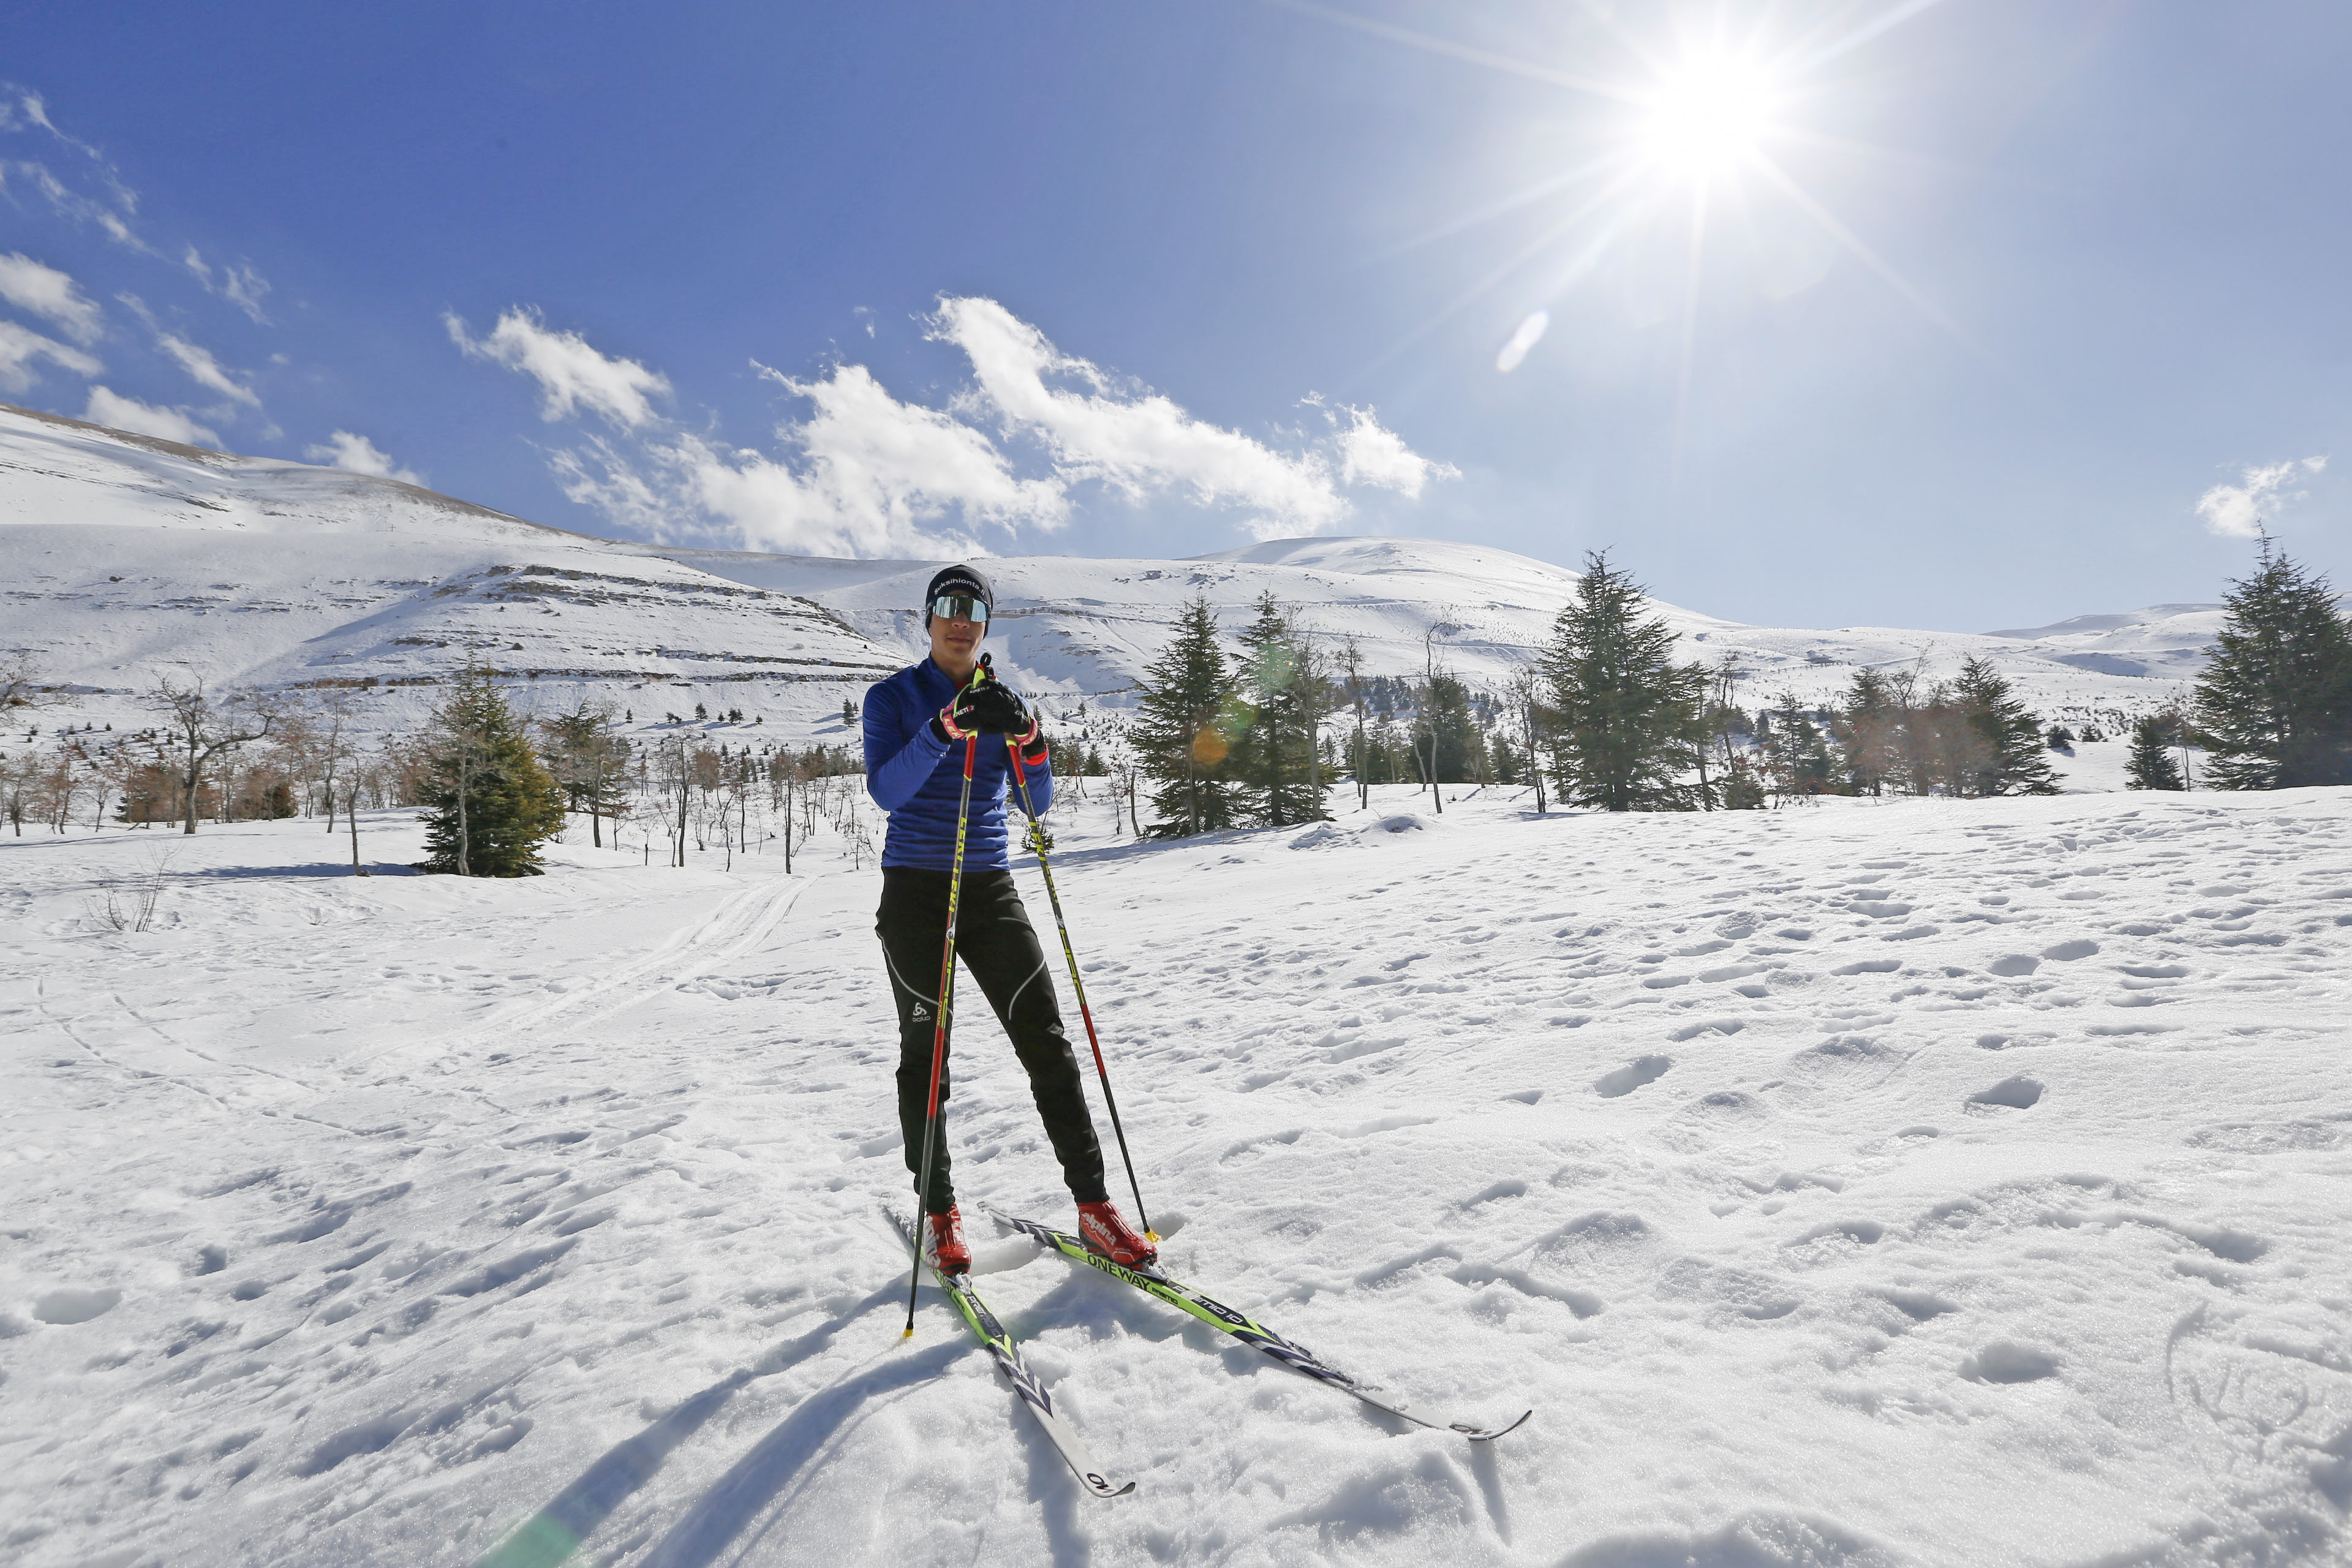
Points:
[(2001, 311)]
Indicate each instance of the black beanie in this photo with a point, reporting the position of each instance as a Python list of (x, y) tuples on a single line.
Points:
[(957, 580)]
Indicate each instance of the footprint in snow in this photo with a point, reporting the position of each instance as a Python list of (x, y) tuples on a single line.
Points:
[(1624, 1081), (73, 1304), (2002, 1361), (1846, 1057), (1919, 1305), (2020, 1094)]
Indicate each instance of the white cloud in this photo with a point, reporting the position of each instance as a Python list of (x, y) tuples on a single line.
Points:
[(2238, 510), (1137, 444), (20, 347), (1529, 334), (570, 374), (245, 289), (868, 475), (345, 450), (877, 477), (44, 291), (21, 111), (204, 369), (238, 283), (1371, 454), (110, 409), (71, 203)]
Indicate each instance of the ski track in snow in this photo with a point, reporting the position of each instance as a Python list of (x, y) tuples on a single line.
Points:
[(1914, 1182)]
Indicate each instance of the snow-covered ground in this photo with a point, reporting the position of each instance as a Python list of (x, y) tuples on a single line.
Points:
[(1907, 1182)]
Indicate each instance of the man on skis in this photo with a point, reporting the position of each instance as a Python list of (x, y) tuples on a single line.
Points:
[(917, 723)]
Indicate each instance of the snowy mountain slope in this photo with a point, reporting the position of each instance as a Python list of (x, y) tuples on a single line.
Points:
[(2164, 641), (123, 554), (1090, 628), (1884, 1184)]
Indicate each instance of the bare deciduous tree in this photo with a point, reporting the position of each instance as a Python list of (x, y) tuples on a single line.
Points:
[(201, 729), (1524, 689)]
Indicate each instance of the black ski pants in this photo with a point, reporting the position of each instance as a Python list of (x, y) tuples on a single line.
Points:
[(1001, 952)]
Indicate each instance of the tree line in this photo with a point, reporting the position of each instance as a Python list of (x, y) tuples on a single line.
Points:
[(495, 784), (1605, 718)]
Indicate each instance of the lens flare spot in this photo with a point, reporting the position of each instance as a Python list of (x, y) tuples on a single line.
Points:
[(1530, 333)]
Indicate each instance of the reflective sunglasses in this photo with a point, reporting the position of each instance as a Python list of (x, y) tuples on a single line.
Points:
[(960, 608)]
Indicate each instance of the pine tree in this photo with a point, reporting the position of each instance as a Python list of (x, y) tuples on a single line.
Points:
[(1183, 732), (489, 802), (589, 762), (1273, 761), (1459, 746), (1866, 730), (1796, 753), (1627, 717), (2274, 703), (2005, 754), (2151, 765)]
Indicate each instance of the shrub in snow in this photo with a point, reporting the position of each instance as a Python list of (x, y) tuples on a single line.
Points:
[(2151, 764)]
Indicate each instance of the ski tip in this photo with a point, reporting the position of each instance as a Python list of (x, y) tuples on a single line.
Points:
[(1480, 1435)]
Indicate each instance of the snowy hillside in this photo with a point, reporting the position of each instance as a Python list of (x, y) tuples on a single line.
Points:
[(1887, 1183), (1088, 628), (124, 554)]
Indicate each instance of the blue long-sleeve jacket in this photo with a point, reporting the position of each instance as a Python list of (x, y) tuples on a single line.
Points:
[(917, 777)]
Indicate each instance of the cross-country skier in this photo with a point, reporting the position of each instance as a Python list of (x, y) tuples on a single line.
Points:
[(916, 723)]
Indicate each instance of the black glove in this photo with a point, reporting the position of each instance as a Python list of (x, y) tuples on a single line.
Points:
[(997, 709), (957, 720)]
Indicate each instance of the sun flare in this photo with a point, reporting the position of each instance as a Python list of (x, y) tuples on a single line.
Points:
[(1706, 116)]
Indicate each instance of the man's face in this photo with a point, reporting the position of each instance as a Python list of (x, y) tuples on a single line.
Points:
[(955, 643)]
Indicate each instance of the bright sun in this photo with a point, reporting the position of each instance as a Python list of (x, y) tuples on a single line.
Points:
[(1706, 116)]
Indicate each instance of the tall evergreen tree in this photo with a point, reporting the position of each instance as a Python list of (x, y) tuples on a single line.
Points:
[(1458, 746), (1183, 732), (1866, 730), (489, 802), (1626, 717), (1797, 760), (589, 761), (2275, 704), (1273, 761), (2005, 754), (2150, 764)]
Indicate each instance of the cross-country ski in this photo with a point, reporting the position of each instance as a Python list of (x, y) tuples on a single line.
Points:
[(1035, 1398), (1153, 1282)]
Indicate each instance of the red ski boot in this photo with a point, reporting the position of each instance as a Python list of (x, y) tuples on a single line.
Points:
[(946, 1235), (1104, 1230)]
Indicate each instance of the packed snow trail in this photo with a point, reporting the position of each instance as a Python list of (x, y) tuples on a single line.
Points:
[(1912, 1182)]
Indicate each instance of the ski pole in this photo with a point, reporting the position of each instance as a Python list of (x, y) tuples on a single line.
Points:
[(940, 1030), (1037, 843)]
